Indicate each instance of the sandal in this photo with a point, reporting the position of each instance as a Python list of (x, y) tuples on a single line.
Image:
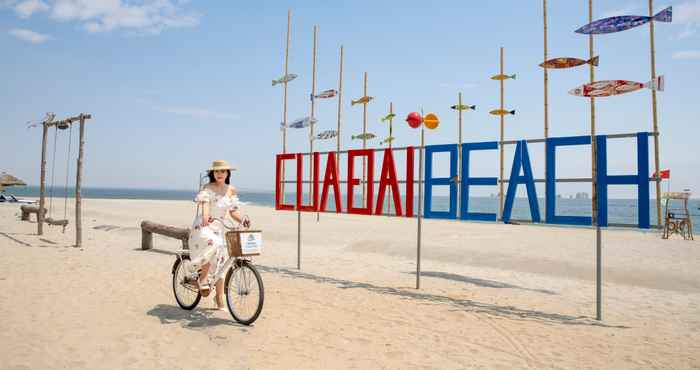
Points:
[(204, 289), (220, 308)]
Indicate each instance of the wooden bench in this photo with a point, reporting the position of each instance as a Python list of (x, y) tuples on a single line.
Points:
[(28, 210), (149, 228)]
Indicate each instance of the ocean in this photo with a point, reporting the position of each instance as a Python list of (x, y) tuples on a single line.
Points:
[(620, 211)]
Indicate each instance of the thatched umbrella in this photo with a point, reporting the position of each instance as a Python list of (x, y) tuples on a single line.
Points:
[(9, 180)]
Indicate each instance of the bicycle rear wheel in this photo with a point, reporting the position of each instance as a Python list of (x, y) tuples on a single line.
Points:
[(245, 293), (186, 292)]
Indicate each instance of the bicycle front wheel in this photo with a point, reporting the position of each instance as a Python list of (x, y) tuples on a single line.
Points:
[(245, 293)]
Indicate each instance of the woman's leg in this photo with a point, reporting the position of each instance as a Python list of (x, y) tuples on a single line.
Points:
[(203, 273), (220, 293)]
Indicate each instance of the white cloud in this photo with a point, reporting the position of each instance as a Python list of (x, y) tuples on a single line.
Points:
[(198, 113), (687, 14), (29, 35), (687, 54), (26, 8), (137, 16)]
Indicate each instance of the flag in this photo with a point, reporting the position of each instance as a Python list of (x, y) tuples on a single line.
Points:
[(665, 174)]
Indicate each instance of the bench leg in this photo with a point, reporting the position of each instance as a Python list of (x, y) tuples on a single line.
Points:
[(146, 240)]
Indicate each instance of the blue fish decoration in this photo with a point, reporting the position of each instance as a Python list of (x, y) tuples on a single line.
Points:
[(300, 123), (623, 23)]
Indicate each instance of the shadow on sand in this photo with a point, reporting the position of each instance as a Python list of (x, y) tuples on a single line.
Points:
[(195, 319), (467, 305), (479, 282)]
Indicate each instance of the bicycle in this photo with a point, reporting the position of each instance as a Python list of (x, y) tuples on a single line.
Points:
[(243, 285)]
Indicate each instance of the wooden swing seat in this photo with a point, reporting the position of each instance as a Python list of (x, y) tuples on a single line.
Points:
[(53, 222)]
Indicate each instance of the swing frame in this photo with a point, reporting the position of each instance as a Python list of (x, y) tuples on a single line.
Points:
[(41, 218)]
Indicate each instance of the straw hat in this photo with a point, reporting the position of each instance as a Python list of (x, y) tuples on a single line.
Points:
[(220, 164)]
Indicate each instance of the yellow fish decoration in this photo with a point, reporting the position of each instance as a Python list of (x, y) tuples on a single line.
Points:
[(431, 121), (503, 77), (362, 100), (501, 112)]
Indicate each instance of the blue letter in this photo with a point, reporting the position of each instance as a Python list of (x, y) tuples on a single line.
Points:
[(476, 181), (552, 144), (521, 159), (641, 179), (430, 181)]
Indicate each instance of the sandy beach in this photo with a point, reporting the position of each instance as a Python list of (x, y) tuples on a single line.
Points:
[(492, 296)]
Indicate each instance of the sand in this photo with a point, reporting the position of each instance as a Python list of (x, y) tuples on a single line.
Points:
[(492, 296)]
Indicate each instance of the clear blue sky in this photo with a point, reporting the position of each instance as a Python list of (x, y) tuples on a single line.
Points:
[(174, 84)]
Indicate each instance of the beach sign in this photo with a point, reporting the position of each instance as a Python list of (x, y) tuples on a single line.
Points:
[(521, 175)]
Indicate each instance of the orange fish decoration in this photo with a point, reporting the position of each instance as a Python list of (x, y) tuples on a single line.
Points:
[(559, 63)]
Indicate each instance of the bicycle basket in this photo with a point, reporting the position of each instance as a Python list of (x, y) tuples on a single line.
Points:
[(242, 243)]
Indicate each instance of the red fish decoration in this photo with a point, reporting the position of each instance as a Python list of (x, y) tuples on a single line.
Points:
[(616, 87), (559, 63)]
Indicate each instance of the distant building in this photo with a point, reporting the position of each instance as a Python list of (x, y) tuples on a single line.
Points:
[(582, 195)]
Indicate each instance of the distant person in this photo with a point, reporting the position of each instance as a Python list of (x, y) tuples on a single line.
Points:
[(208, 250)]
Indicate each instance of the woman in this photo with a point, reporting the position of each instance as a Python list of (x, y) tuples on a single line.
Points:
[(207, 240)]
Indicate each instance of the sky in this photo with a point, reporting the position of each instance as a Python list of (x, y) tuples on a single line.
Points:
[(175, 84)]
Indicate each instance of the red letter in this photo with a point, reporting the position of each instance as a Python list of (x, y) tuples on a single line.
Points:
[(388, 178), (300, 177), (331, 179), (279, 202), (367, 210), (409, 181)]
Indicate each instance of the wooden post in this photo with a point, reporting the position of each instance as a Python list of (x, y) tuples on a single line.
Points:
[(340, 108), (500, 144), (546, 95), (364, 144), (313, 111), (42, 183), (78, 179), (284, 114), (657, 180)]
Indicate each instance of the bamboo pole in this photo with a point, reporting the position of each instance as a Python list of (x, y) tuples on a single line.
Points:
[(391, 111), (459, 158), (594, 167), (78, 182), (546, 94), (364, 144), (42, 184), (594, 154), (655, 117), (502, 118), (313, 112), (420, 205), (340, 109), (284, 117)]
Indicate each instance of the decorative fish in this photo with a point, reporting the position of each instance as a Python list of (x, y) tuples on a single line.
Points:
[(362, 100), (324, 94), (463, 107), (624, 22), (283, 79), (387, 140), (300, 123), (389, 117), (616, 87), (558, 63), (501, 112), (366, 136), (325, 135), (502, 77)]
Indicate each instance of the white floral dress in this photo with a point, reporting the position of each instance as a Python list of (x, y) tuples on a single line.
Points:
[(208, 244)]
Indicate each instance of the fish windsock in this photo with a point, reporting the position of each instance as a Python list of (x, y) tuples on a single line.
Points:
[(274, 82), (656, 84), (593, 61), (353, 102), (665, 15)]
